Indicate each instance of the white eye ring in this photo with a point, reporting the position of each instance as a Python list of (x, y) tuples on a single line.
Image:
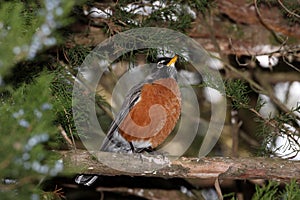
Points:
[(160, 65)]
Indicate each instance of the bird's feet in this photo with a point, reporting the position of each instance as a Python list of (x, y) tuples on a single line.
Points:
[(150, 155)]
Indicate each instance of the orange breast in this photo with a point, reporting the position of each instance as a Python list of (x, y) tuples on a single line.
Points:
[(155, 115)]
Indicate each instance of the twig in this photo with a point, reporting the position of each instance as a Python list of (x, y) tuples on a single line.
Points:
[(264, 23), (70, 129), (58, 192), (277, 77), (270, 123), (235, 125), (249, 140), (269, 92), (281, 51), (236, 57), (287, 10), (146, 193), (65, 136), (218, 189), (289, 64)]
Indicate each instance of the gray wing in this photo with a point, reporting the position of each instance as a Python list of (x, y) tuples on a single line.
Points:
[(130, 100)]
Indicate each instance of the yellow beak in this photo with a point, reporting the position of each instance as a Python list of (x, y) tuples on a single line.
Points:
[(172, 61)]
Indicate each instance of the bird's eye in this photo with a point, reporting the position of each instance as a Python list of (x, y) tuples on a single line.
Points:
[(160, 65)]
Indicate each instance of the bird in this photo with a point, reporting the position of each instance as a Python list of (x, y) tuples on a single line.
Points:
[(147, 116), (149, 112)]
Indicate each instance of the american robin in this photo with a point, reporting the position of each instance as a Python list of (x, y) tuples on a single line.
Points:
[(149, 112)]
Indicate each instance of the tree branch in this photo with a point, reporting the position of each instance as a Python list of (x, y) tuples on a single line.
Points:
[(204, 168)]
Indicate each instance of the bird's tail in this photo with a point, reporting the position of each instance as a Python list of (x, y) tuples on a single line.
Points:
[(85, 179)]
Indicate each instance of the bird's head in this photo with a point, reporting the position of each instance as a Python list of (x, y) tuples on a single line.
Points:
[(169, 62)]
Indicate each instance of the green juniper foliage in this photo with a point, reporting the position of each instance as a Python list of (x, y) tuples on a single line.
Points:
[(291, 192), (61, 89), (77, 54), (268, 129), (170, 14), (28, 110), (281, 124), (272, 190), (237, 91), (28, 27), (200, 5), (266, 192), (26, 130)]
